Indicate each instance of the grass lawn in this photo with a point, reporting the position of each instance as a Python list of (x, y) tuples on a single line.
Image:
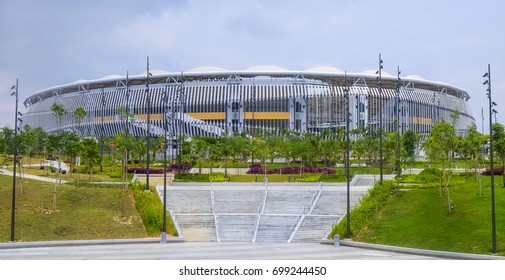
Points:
[(419, 218), (81, 213)]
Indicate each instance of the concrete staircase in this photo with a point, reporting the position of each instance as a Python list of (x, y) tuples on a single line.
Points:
[(257, 214)]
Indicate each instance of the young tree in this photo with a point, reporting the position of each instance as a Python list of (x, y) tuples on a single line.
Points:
[(59, 111), (439, 147), (79, 115), (90, 154), (409, 141), (499, 144)]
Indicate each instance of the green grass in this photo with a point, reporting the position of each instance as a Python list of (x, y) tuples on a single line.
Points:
[(92, 212), (419, 218)]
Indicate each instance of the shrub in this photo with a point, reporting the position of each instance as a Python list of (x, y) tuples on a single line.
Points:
[(218, 177), (310, 178), (258, 169), (185, 167), (429, 175), (496, 171), (138, 170)]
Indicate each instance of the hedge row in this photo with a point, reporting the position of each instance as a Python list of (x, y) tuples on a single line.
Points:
[(496, 171), (365, 211), (258, 169), (171, 168)]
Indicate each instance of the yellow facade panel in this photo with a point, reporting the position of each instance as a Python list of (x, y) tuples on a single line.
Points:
[(153, 117), (266, 115), (416, 120), (208, 115)]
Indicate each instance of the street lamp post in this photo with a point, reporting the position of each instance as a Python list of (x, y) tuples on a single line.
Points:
[(102, 131), (347, 156), (397, 99), (379, 83), (165, 128), (13, 210), (148, 101), (491, 103)]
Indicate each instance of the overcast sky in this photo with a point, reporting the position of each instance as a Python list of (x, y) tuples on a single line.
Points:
[(53, 42)]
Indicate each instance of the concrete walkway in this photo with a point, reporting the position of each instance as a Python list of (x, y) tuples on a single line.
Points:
[(151, 249), (33, 177)]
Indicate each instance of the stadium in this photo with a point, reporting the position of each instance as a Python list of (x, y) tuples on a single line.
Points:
[(211, 101)]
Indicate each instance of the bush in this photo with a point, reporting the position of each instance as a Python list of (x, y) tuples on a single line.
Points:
[(310, 178), (429, 175), (258, 169), (185, 167), (218, 177), (496, 171), (138, 170)]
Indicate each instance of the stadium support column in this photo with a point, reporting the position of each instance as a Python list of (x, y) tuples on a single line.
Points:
[(347, 156), (16, 119), (381, 132), (491, 110)]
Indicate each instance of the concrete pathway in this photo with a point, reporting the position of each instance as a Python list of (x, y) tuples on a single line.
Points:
[(33, 177), (151, 249)]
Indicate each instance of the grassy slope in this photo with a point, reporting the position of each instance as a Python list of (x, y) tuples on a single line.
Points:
[(419, 218), (82, 213)]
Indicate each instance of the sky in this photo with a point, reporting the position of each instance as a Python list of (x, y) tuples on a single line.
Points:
[(54, 42)]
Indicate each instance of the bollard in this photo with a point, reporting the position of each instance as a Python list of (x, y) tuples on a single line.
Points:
[(336, 240)]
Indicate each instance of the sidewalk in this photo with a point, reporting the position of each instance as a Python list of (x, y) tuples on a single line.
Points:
[(176, 249), (34, 177)]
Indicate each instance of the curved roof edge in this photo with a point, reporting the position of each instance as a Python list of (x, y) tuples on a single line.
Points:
[(329, 74)]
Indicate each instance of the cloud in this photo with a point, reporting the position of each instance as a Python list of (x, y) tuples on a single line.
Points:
[(48, 43)]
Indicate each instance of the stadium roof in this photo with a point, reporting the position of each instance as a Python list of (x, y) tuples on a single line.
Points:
[(330, 75)]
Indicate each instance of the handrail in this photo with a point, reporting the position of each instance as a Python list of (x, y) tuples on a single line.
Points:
[(216, 221), (261, 211)]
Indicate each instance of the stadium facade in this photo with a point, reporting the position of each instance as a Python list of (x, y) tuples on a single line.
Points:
[(209, 101)]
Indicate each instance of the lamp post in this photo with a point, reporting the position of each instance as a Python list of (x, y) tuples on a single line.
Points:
[(165, 128), (379, 83), (397, 101), (102, 131), (491, 103), (347, 161), (13, 209), (148, 101)]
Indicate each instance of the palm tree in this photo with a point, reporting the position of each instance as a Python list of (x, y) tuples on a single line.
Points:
[(79, 114), (59, 111)]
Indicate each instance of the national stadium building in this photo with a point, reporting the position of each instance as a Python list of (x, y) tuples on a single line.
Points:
[(210, 101)]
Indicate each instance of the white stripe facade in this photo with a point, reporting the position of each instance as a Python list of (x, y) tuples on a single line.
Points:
[(210, 103)]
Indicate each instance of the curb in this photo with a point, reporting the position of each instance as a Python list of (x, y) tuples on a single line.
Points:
[(40, 244), (412, 251)]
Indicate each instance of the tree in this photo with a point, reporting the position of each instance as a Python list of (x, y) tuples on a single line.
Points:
[(90, 154), (439, 147), (199, 151), (409, 141), (79, 114), (59, 111), (499, 144)]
